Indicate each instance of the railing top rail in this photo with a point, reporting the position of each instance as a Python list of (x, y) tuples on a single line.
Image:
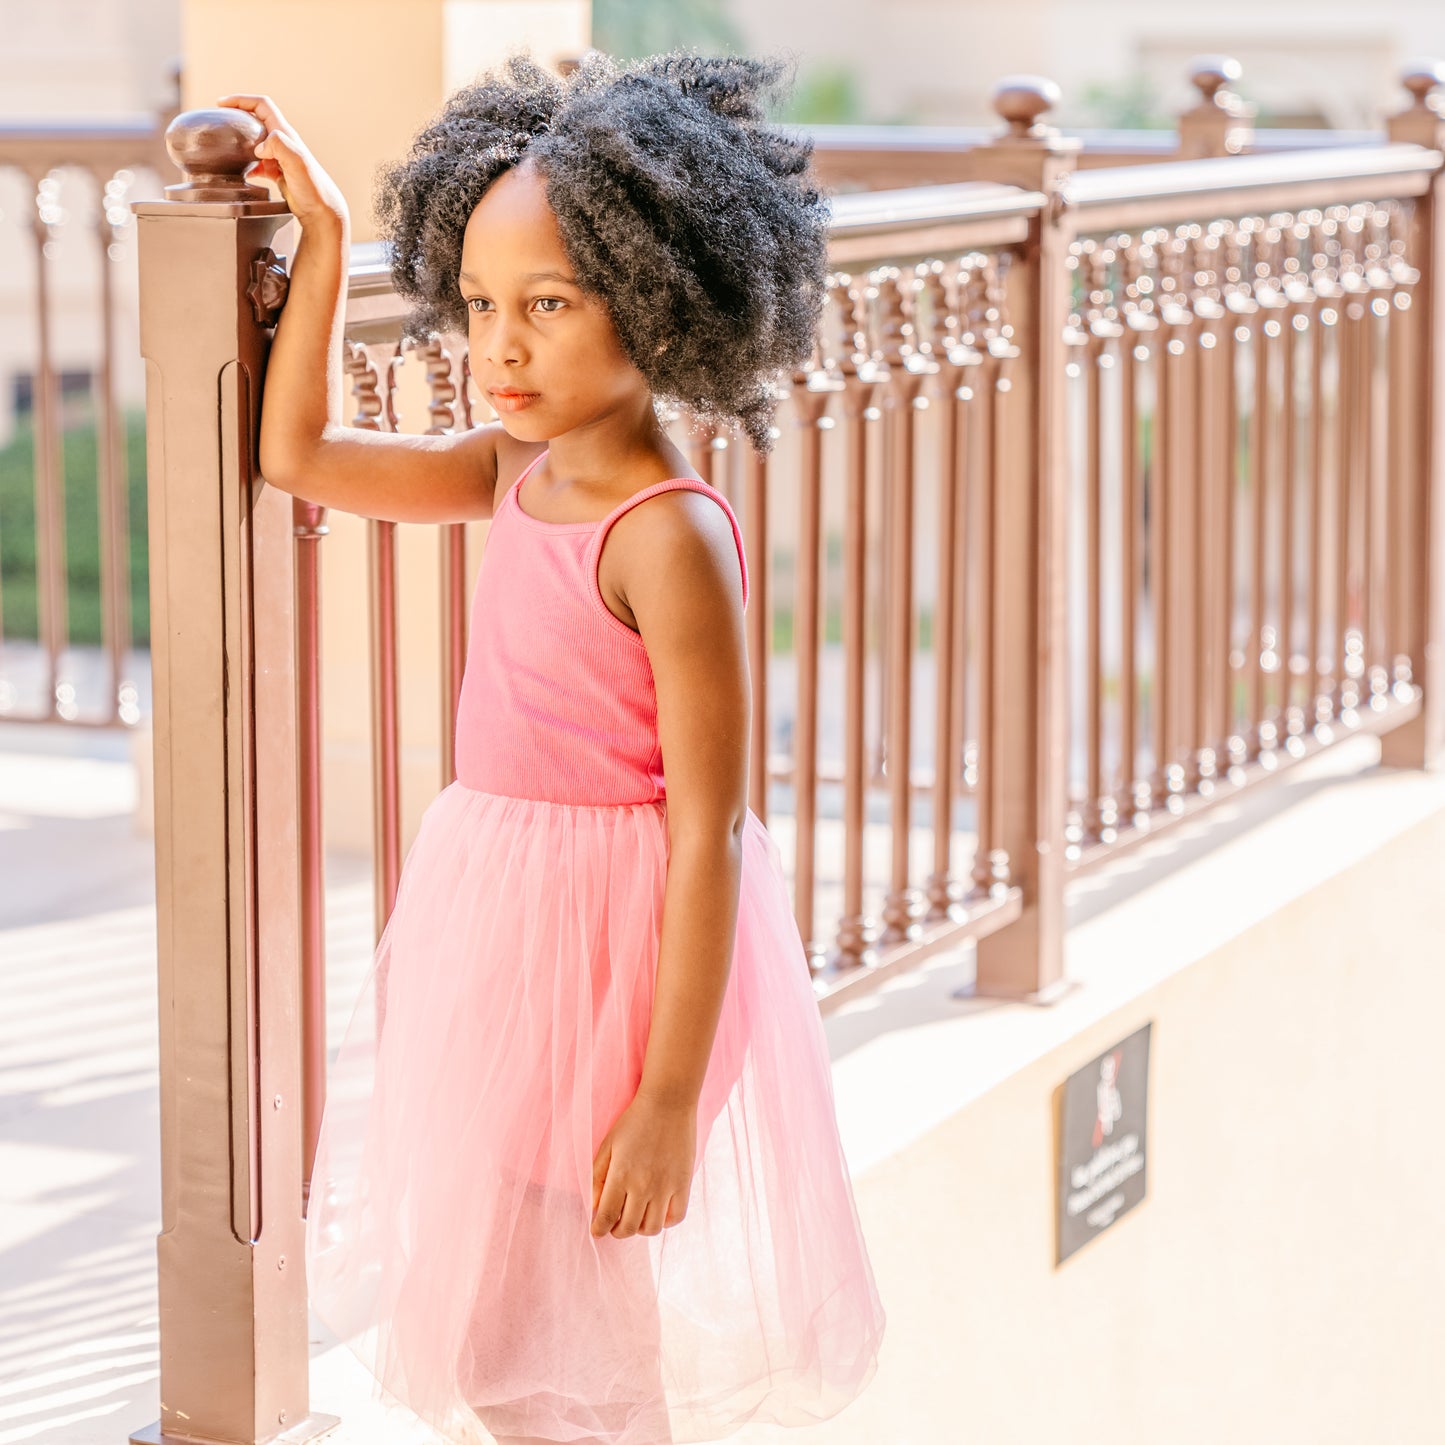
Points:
[(1186, 188), (873, 226), (48, 128), (951, 138), (368, 271), (867, 225), (39, 145), (869, 212)]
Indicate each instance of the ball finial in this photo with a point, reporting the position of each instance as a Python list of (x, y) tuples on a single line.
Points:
[(1022, 99), (1209, 74), (1422, 78), (214, 149)]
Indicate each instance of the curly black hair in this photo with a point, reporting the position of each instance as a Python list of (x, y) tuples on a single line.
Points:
[(699, 224)]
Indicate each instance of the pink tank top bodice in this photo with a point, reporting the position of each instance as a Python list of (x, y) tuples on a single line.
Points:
[(557, 700)]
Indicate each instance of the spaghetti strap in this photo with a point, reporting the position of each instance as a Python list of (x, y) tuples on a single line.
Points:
[(695, 484), (517, 481)]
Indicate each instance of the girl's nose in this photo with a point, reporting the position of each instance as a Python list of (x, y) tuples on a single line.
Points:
[(505, 342)]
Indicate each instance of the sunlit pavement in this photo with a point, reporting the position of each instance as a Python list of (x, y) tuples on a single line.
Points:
[(79, 1101), (79, 1114)]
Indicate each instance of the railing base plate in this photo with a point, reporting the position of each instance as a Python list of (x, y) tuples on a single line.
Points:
[(313, 1427)]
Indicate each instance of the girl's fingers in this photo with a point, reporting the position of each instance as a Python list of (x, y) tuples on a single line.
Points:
[(256, 104), (261, 106), (278, 148)]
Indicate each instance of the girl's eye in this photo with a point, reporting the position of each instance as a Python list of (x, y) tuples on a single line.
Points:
[(475, 302)]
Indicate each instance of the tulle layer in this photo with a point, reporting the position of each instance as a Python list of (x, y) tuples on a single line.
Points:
[(499, 1033)]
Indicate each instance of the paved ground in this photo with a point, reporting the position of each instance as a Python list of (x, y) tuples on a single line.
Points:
[(79, 1105), (79, 1118)]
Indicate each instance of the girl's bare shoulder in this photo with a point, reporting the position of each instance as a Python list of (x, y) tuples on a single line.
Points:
[(682, 534)]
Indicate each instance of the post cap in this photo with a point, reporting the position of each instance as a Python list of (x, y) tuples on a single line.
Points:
[(1209, 74), (1021, 99), (1422, 78), (214, 149)]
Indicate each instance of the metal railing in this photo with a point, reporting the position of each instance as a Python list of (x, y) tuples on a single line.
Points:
[(1107, 399), (54, 678), (1107, 492)]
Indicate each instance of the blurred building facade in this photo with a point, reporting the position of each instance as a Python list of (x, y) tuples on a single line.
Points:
[(1118, 62)]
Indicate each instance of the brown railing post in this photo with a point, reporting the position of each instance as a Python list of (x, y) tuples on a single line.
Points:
[(1221, 124), (1420, 742), (1029, 654), (233, 1313)]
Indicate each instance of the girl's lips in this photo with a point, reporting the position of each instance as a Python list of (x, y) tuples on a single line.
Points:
[(513, 401)]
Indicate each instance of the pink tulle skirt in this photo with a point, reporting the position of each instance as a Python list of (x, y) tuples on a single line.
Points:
[(499, 1033)]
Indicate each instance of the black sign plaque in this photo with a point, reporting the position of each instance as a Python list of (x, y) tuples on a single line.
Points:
[(1099, 1118)]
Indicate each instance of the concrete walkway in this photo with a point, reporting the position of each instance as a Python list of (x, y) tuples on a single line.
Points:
[(79, 1115), (79, 1103)]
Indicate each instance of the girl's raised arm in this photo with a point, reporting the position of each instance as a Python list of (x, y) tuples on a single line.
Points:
[(305, 449)]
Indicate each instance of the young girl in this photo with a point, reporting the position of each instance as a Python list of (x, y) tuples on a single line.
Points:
[(579, 1176)]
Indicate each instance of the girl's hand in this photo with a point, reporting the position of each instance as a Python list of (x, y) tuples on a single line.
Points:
[(310, 194), (642, 1174)]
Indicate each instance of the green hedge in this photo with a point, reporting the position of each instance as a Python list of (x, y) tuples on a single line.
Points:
[(82, 530)]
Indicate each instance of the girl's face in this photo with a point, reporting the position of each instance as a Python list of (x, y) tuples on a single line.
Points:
[(543, 351)]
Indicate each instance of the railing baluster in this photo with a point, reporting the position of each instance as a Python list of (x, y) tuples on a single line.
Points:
[(111, 479), (374, 366), (1344, 476), (1211, 660), (809, 413), (52, 595), (1131, 548), (1315, 493), (308, 525), (1160, 500), (990, 859), (862, 378), (1378, 482), (1291, 720), (756, 543), (1259, 734), (1365, 474), (1187, 531), (941, 887), (1091, 356), (903, 903), (1400, 427)]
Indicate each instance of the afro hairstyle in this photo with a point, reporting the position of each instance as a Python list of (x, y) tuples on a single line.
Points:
[(698, 224)]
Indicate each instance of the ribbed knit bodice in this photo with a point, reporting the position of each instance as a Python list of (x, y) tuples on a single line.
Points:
[(557, 701)]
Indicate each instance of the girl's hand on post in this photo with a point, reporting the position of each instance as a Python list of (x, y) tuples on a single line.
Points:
[(642, 1174), (310, 194)]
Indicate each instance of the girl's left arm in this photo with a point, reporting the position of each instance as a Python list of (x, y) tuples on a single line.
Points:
[(686, 594), (684, 587)]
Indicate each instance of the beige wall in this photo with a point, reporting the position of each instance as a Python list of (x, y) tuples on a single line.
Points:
[(357, 78), (1284, 1279), (86, 59), (480, 32), (354, 78), (1337, 56)]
